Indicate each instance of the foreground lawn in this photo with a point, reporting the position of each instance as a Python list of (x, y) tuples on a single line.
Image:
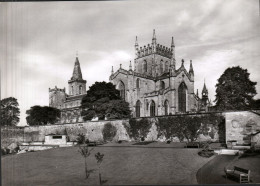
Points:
[(121, 165)]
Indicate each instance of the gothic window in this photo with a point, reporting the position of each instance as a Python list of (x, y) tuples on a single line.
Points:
[(166, 66), (80, 89), (137, 108), (71, 90), (145, 66), (166, 107), (161, 67), (182, 97), (121, 88), (152, 108), (138, 83), (162, 85)]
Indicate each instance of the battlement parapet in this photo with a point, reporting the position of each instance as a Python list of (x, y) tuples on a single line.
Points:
[(57, 89), (159, 49)]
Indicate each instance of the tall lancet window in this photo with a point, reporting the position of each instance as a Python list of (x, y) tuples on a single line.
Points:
[(166, 107), (138, 83), (137, 109), (145, 66), (182, 97), (80, 89), (166, 66), (161, 67), (72, 90), (121, 88), (152, 108)]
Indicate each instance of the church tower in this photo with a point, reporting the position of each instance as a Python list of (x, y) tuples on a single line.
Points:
[(204, 99), (77, 86)]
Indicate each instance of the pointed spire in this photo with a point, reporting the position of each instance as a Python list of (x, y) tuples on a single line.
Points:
[(172, 44), (204, 90), (136, 42), (130, 66), (154, 37), (191, 68), (112, 71), (77, 75)]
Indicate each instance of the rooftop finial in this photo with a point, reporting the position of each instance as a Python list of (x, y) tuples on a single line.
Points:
[(191, 67), (172, 44), (154, 37), (112, 71), (130, 66), (136, 42), (120, 66), (182, 62)]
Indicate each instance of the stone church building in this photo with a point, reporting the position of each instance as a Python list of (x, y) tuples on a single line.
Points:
[(154, 87), (69, 104)]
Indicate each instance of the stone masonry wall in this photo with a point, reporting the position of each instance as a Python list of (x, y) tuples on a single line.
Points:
[(240, 124)]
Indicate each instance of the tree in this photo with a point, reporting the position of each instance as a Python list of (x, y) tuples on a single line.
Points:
[(235, 91), (256, 104), (85, 152), (103, 100), (10, 112), (38, 115), (99, 158)]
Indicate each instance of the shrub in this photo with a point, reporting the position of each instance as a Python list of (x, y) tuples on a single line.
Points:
[(109, 132), (139, 128), (81, 139)]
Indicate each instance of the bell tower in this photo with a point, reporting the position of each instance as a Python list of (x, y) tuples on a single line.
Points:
[(77, 85)]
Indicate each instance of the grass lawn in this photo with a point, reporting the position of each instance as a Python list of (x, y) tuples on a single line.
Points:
[(121, 165), (213, 171)]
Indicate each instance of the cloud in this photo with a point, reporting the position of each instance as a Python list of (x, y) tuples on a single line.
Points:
[(38, 41)]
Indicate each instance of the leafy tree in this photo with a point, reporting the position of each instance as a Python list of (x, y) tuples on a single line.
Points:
[(235, 91), (256, 104), (38, 115), (103, 100), (10, 112)]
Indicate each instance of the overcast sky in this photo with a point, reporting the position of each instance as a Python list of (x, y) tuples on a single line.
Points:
[(39, 40)]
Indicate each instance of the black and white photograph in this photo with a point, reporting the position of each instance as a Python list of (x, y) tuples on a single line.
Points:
[(130, 92)]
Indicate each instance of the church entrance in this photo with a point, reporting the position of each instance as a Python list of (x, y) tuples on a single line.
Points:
[(182, 97), (152, 108)]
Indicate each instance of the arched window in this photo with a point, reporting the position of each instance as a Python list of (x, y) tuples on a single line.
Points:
[(121, 88), (166, 66), (138, 83), (152, 108), (166, 107), (161, 67), (80, 89), (72, 90), (162, 85), (145, 66), (137, 108), (182, 97)]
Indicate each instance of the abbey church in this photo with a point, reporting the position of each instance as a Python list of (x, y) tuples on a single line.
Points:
[(152, 86)]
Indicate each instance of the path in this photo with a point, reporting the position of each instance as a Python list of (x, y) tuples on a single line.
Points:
[(213, 171)]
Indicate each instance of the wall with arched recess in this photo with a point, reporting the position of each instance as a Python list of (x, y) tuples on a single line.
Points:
[(241, 125)]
